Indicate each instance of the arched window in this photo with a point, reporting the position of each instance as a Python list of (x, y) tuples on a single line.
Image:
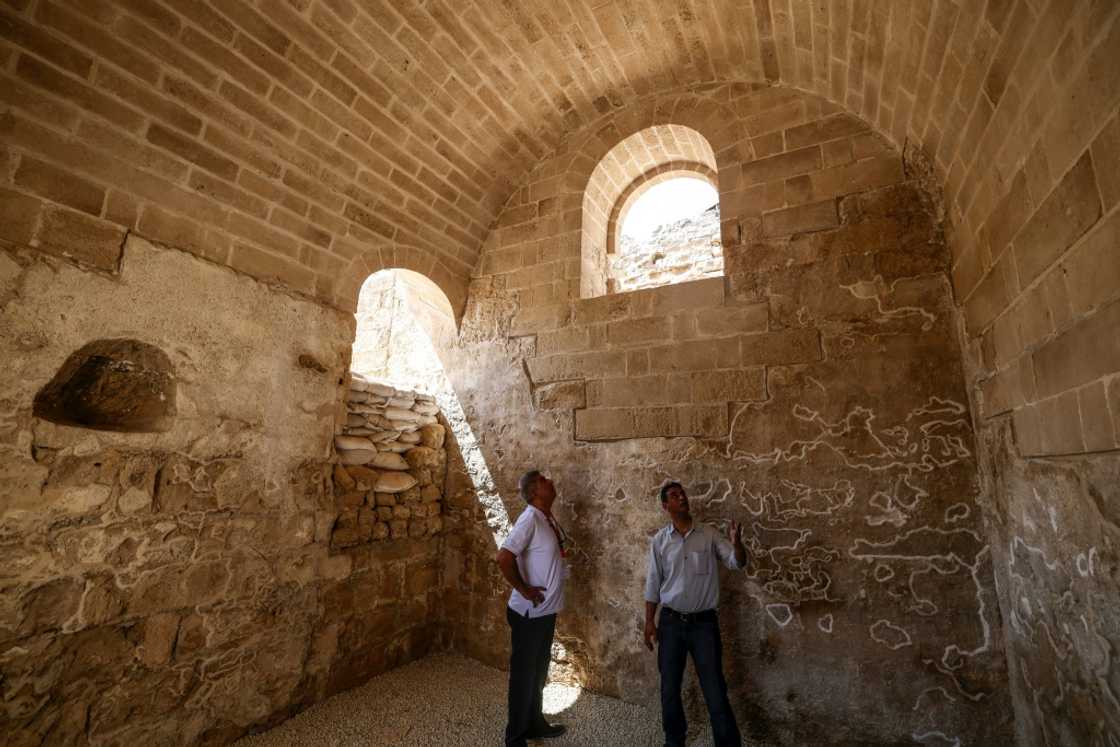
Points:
[(667, 231), (636, 171)]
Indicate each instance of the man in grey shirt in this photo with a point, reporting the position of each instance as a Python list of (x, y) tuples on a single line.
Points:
[(683, 578)]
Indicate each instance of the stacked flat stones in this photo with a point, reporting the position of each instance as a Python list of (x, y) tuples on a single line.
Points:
[(388, 481)]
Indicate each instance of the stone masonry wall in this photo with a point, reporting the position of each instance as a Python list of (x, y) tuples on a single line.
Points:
[(392, 465), (178, 584), (689, 249), (816, 392)]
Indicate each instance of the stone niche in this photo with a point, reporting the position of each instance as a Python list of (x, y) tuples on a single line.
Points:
[(111, 385)]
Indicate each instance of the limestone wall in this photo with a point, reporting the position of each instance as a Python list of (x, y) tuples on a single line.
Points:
[(178, 584), (815, 392)]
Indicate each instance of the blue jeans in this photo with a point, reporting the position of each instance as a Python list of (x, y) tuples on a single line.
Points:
[(676, 639)]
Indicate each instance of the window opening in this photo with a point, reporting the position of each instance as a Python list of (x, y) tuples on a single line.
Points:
[(670, 233)]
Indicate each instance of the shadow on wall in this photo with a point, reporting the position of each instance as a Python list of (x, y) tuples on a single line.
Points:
[(406, 335), (404, 321)]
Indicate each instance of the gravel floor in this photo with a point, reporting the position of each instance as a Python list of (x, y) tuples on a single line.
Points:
[(451, 700)]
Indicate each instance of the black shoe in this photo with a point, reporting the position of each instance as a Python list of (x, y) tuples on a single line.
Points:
[(547, 732)]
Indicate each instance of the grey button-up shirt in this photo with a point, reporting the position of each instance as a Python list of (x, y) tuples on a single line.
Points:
[(683, 574)]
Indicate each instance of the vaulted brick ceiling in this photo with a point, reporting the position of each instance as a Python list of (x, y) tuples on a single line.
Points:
[(413, 122), (476, 92)]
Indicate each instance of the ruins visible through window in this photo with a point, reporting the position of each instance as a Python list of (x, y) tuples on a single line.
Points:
[(669, 234)]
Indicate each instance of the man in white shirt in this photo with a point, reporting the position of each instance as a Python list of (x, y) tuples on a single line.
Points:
[(683, 577), (532, 561)]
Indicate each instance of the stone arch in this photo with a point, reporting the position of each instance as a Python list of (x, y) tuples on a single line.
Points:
[(630, 146), (372, 260), (404, 324), (644, 182)]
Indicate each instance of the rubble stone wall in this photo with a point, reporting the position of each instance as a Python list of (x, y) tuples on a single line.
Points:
[(392, 465), (178, 584)]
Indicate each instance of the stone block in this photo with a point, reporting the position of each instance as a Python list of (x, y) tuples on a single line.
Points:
[(1028, 430), (1092, 269), (822, 130), (695, 355), (77, 236), (393, 482), (729, 320), (638, 331), (535, 319), (1112, 389), (801, 161), (707, 421), (789, 346), (1097, 429), (628, 392), (159, 634), (604, 424), (816, 216), (432, 435), (1008, 389), (577, 366), (563, 395), (566, 340), (1060, 420), (1009, 215), (1087, 351), (992, 296), (856, 177), (752, 201), (836, 153), (1106, 154), (59, 185), (601, 309), (655, 422), (1070, 210), (19, 215), (744, 385), (694, 294), (637, 363)]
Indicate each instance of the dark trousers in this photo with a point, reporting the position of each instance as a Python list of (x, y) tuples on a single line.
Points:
[(530, 655), (698, 636)]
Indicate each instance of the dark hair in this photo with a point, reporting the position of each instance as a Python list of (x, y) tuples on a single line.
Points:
[(527, 483), (667, 486)]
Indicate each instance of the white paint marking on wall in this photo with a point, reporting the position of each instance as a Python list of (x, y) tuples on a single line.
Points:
[(824, 622), (780, 613), (889, 635), (957, 512), (940, 737)]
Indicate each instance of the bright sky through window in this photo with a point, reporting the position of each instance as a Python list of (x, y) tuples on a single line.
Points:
[(668, 202)]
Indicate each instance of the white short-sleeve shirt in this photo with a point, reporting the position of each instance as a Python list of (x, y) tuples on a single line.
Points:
[(537, 548)]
